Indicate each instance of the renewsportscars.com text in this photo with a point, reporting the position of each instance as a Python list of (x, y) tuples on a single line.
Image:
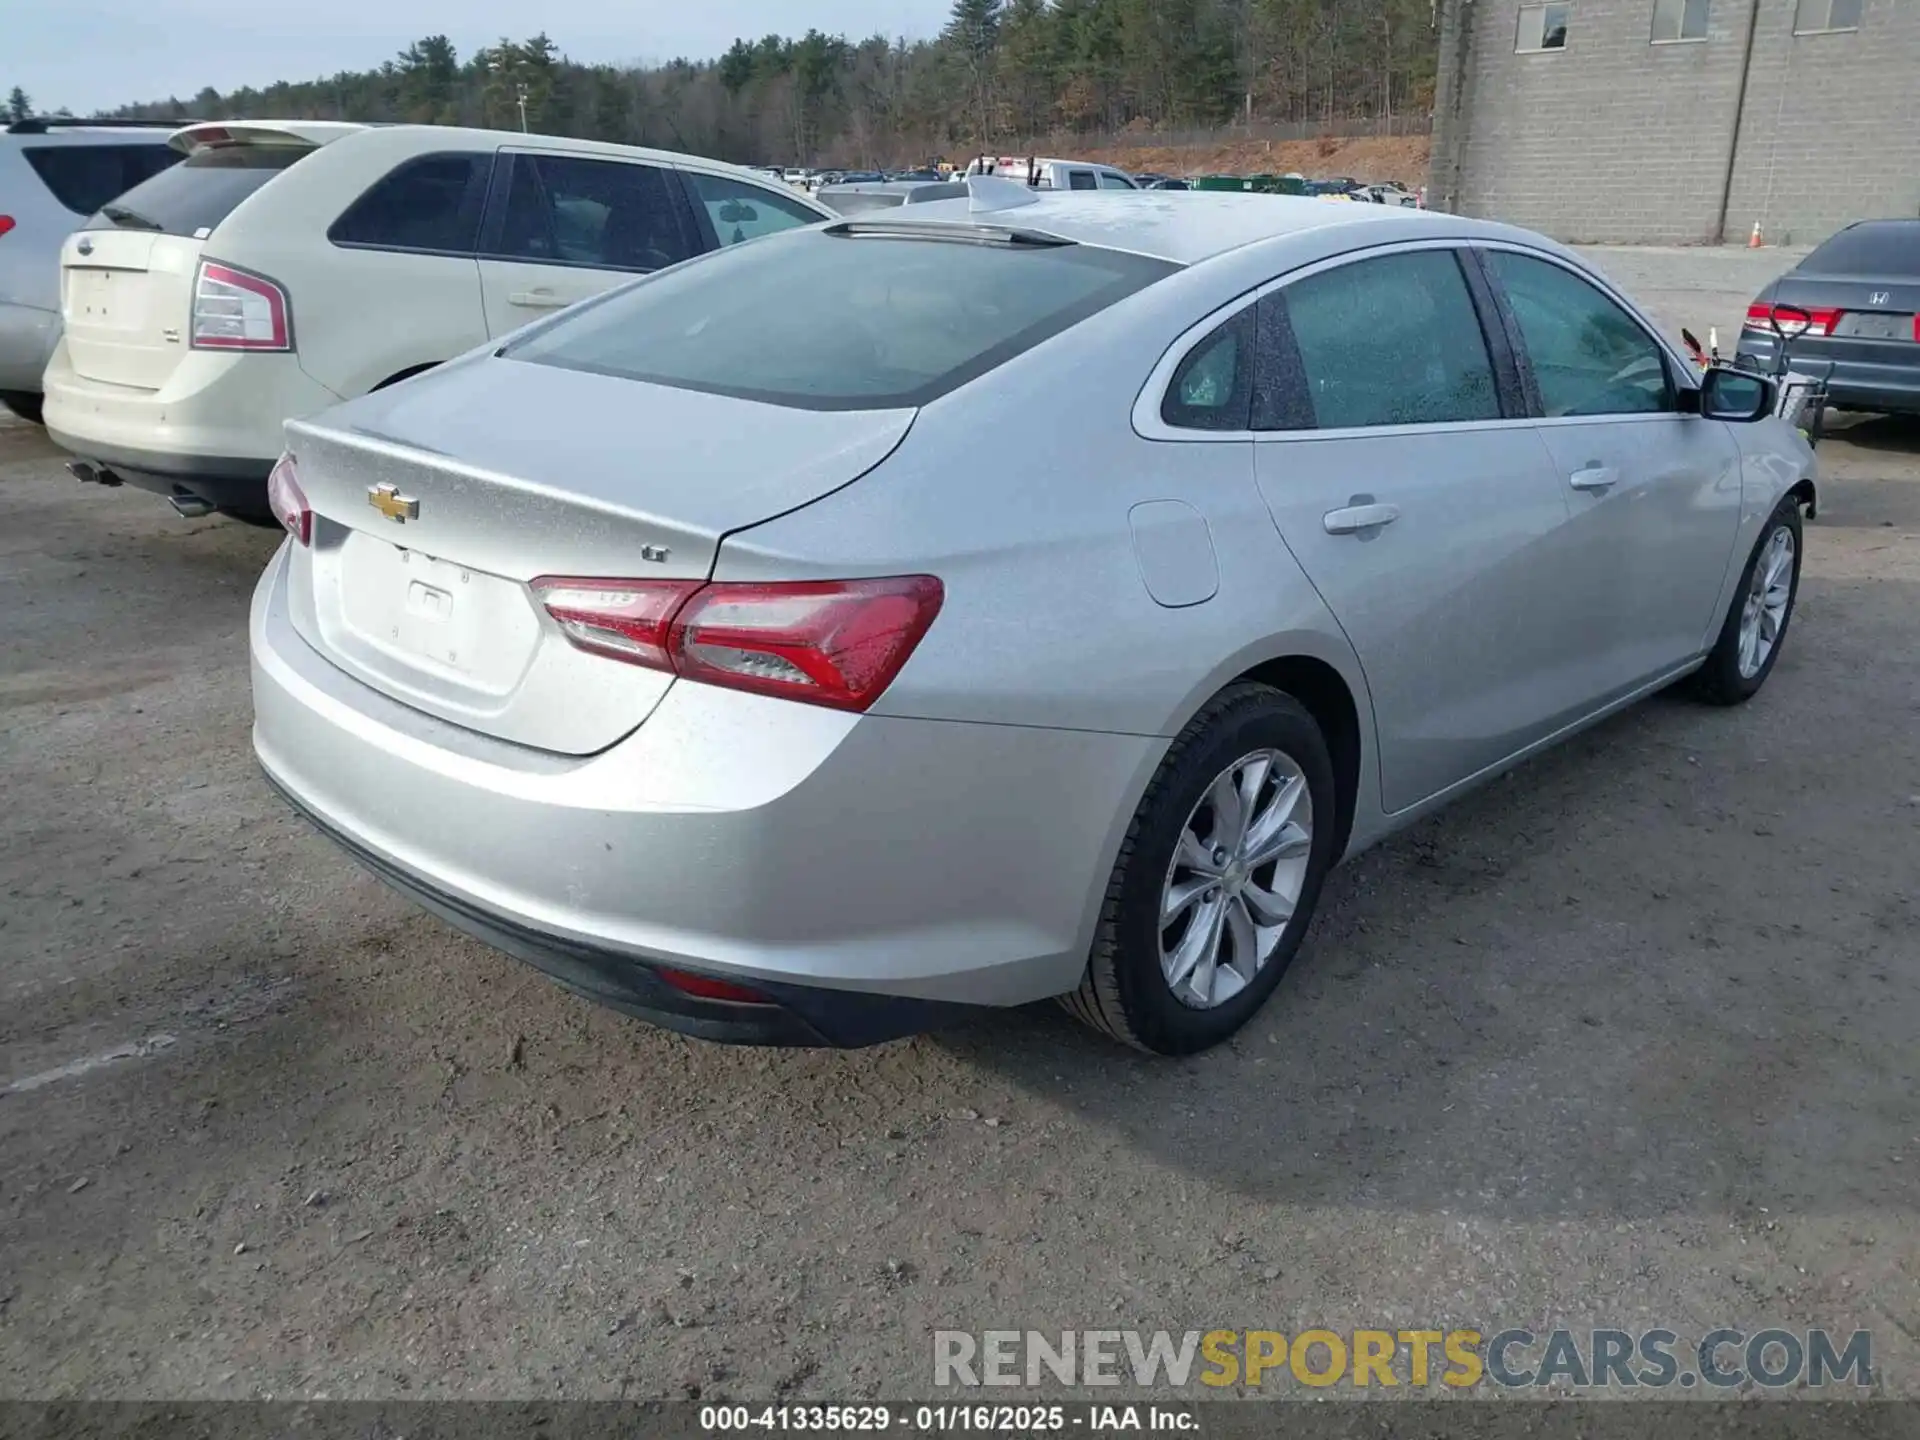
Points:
[(1453, 1359)]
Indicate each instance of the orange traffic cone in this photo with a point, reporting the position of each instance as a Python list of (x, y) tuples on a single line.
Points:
[(1755, 242)]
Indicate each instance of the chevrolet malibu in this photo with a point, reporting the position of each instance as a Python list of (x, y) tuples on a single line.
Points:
[(1017, 596)]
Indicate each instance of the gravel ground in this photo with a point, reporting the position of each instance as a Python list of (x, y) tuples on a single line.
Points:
[(1625, 1039)]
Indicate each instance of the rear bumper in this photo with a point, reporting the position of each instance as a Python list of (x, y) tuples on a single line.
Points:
[(28, 335), (213, 430), (783, 846), (798, 1015), (1892, 387)]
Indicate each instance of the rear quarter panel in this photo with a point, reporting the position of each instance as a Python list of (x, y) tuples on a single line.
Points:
[(360, 316)]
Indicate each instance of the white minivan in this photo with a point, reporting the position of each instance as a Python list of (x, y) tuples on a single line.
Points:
[(284, 266)]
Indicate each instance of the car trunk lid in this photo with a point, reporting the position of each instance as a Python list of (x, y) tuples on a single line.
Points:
[(435, 504)]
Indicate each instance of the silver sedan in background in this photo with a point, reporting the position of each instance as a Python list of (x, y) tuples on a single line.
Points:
[(1010, 597)]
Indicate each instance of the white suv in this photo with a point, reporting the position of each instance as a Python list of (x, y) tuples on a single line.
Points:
[(284, 266)]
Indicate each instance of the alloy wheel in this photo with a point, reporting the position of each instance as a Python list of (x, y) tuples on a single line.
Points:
[(1235, 878), (1769, 593)]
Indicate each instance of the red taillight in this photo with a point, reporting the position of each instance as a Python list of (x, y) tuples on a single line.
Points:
[(288, 502), (6, 223), (837, 643), (621, 619), (827, 642), (236, 310), (705, 987), (1824, 322)]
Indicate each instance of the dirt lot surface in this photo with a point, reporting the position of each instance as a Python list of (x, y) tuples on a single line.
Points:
[(1625, 1039)]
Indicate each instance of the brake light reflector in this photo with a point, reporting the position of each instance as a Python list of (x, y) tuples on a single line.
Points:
[(827, 642), (705, 987), (236, 310), (1760, 317), (288, 501)]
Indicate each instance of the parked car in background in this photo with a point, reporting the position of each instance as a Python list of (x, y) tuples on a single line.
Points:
[(53, 174), (921, 175), (284, 266), (706, 646), (1861, 291), (1169, 182), (1045, 174), (1392, 193)]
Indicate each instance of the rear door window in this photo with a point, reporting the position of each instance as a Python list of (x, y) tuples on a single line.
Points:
[(1081, 180), (85, 177), (431, 203), (1393, 340), (1589, 356), (202, 190), (601, 214), (739, 211), (841, 319)]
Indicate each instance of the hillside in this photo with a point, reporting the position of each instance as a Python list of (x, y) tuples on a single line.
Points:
[(1368, 157)]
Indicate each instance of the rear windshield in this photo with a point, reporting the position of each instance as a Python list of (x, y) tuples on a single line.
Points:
[(199, 192), (830, 320), (85, 177), (1878, 247)]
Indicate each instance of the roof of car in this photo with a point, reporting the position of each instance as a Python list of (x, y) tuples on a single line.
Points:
[(324, 132), (1182, 226)]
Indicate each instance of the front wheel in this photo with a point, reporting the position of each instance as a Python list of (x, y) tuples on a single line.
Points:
[(1756, 623), (1217, 878)]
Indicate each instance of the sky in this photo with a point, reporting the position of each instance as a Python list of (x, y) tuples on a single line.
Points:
[(94, 54)]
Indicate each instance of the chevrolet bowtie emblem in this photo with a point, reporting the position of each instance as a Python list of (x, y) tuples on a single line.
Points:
[(388, 500)]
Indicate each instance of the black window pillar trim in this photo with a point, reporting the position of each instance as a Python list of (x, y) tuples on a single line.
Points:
[(1487, 290), (1512, 368), (1281, 397)]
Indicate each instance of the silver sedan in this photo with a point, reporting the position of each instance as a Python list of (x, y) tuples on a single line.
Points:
[(1017, 596)]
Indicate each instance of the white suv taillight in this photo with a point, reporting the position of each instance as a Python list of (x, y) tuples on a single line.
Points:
[(827, 642), (236, 310), (288, 501)]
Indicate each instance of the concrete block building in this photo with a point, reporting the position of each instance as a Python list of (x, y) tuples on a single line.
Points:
[(1678, 121)]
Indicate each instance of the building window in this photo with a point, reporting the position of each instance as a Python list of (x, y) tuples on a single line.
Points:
[(1817, 17), (1677, 20), (1544, 27)]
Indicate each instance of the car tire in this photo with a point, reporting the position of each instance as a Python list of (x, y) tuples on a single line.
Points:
[(1732, 676), (26, 406), (1129, 991)]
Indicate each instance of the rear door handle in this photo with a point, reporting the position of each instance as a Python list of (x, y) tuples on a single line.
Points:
[(1594, 477), (536, 299), (1359, 517)]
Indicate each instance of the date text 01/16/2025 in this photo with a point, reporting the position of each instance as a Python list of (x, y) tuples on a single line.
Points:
[(948, 1419)]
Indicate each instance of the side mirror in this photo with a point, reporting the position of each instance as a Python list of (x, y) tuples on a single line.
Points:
[(1735, 395), (1790, 322)]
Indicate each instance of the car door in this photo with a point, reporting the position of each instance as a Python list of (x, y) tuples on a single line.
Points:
[(1655, 492), (1394, 453), (564, 228)]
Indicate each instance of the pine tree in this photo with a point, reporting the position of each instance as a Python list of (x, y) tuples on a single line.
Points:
[(19, 107)]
